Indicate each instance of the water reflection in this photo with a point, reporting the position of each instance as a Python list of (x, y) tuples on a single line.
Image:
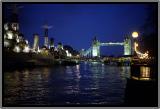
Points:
[(125, 72), (87, 83), (143, 73), (141, 88)]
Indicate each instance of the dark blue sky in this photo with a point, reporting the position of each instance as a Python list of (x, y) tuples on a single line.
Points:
[(77, 24)]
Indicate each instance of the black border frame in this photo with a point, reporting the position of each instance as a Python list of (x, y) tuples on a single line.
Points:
[(89, 105)]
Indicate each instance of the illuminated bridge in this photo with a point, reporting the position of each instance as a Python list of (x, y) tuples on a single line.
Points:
[(94, 50)]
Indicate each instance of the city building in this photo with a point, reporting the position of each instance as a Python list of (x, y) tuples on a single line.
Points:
[(13, 39)]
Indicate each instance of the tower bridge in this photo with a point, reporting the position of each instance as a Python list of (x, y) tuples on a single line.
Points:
[(94, 50)]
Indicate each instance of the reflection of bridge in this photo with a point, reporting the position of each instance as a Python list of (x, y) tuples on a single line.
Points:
[(94, 50)]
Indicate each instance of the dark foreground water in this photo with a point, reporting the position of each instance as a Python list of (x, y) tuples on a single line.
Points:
[(87, 83)]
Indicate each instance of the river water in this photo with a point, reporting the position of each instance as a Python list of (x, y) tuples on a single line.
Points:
[(86, 83)]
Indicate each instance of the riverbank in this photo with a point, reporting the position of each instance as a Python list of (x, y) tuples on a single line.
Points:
[(30, 60)]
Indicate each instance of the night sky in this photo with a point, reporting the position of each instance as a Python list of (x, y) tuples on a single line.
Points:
[(77, 24)]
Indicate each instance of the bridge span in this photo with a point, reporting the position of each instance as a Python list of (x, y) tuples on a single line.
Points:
[(94, 50)]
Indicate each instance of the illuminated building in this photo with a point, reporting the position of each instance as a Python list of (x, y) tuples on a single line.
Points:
[(6, 26), (13, 39), (95, 48), (26, 49), (9, 35), (14, 19), (60, 46), (17, 49), (46, 41), (36, 42), (82, 52), (6, 43), (67, 52), (51, 43), (46, 27), (127, 46)]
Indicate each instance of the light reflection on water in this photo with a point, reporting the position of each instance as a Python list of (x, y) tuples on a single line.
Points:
[(87, 83)]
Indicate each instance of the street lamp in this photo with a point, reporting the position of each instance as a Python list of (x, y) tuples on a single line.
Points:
[(134, 35)]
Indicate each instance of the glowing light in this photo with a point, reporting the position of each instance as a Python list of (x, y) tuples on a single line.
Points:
[(36, 50), (77, 67), (145, 78), (51, 45), (26, 49), (15, 26), (111, 43), (127, 47), (17, 40), (36, 42), (46, 41), (26, 41), (6, 26), (6, 43), (145, 72), (135, 46), (68, 54), (135, 34), (135, 78), (140, 55), (56, 49), (10, 35), (16, 49), (5, 36), (94, 52), (39, 50)]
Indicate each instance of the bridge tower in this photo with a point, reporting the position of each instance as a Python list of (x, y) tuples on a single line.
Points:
[(46, 28), (127, 46), (95, 48)]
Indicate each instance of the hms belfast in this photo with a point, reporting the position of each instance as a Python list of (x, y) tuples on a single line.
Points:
[(19, 54)]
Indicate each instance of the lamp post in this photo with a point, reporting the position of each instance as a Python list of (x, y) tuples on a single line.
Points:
[(134, 35)]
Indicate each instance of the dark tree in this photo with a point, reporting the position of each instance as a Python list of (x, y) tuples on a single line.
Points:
[(68, 47), (71, 50), (149, 39)]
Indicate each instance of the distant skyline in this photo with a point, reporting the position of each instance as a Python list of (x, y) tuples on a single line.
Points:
[(78, 24)]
